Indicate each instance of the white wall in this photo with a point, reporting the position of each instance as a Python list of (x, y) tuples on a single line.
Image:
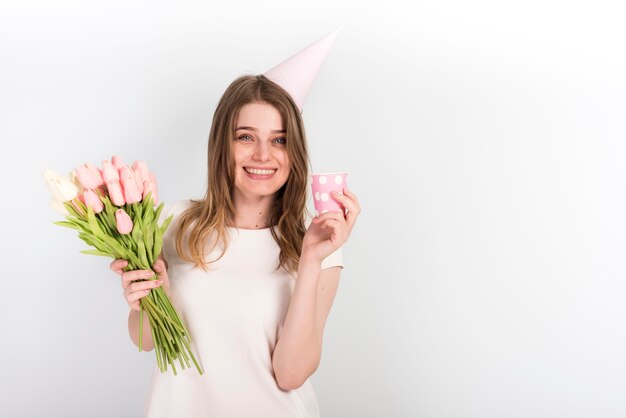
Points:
[(485, 140)]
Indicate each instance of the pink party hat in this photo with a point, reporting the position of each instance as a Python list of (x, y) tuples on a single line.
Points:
[(298, 73)]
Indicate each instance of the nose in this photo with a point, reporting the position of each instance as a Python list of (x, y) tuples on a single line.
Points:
[(262, 151)]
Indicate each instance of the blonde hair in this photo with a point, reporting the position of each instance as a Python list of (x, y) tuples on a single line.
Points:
[(216, 210)]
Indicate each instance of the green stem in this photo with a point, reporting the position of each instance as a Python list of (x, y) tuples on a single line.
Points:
[(200, 370), (140, 327)]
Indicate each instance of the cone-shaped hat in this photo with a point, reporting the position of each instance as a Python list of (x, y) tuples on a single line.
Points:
[(298, 73)]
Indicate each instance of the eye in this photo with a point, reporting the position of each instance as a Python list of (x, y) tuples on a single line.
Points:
[(244, 137), (281, 140)]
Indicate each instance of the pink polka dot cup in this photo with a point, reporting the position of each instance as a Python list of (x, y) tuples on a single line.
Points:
[(323, 184)]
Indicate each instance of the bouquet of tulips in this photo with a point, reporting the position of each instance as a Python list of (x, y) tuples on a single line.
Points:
[(113, 209)]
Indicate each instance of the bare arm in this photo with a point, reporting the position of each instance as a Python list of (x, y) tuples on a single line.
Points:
[(299, 348)]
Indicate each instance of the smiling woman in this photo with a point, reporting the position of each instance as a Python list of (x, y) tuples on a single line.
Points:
[(252, 276)]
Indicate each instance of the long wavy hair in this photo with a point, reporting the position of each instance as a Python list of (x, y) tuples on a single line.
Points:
[(216, 210)]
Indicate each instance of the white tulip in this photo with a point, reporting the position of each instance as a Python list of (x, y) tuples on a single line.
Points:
[(75, 181), (62, 189)]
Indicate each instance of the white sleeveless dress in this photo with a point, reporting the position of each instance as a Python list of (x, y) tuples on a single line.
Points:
[(233, 313)]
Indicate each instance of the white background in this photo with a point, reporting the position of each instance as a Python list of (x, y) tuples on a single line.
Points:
[(485, 140)]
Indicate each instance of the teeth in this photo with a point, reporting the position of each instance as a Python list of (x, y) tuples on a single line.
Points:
[(254, 171)]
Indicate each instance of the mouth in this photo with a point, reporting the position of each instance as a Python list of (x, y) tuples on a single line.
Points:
[(259, 174)]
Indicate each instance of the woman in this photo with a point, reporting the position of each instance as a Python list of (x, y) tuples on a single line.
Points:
[(253, 283)]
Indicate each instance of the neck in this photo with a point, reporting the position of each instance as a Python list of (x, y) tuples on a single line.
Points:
[(252, 212)]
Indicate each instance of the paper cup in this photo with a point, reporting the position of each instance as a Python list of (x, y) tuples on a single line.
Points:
[(323, 184)]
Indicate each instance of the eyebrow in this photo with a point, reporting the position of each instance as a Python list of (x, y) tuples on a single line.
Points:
[(250, 128)]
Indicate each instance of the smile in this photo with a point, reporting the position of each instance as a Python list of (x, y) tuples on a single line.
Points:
[(259, 172)]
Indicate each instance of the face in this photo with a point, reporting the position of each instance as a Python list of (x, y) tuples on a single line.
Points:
[(260, 152)]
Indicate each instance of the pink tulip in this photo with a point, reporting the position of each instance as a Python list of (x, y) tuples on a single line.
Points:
[(132, 194), (140, 168), (148, 187), (123, 222), (154, 188), (96, 172), (92, 200), (88, 178), (109, 172), (116, 194), (117, 162)]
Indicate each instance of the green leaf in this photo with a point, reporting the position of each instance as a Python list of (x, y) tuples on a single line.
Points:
[(93, 224), (84, 226), (72, 210), (109, 212), (158, 243), (117, 250), (146, 202), (141, 250), (165, 224), (96, 252), (68, 224), (136, 230), (157, 213), (148, 214), (138, 212), (149, 240)]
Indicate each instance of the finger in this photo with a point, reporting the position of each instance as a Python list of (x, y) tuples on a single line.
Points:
[(130, 276), (159, 267), (335, 214), (334, 228), (331, 222), (118, 265), (352, 196), (135, 296), (144, 285), (352, 204), (346, 201)]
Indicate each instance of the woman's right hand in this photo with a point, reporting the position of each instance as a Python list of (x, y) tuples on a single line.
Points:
[(135, 290)]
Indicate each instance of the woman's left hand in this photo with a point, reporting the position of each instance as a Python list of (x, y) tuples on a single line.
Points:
[(329, 231)]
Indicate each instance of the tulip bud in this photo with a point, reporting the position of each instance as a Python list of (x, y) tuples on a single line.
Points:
[(140, 168), (154, 186), (123, 222), (148, 187), (116, 194), (92, 200), (62, 189), (96, 172), (132, 194), (88, 178), (117, 162), (109, 172)]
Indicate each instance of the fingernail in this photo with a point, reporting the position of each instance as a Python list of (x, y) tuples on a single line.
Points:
[(147, 274)]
